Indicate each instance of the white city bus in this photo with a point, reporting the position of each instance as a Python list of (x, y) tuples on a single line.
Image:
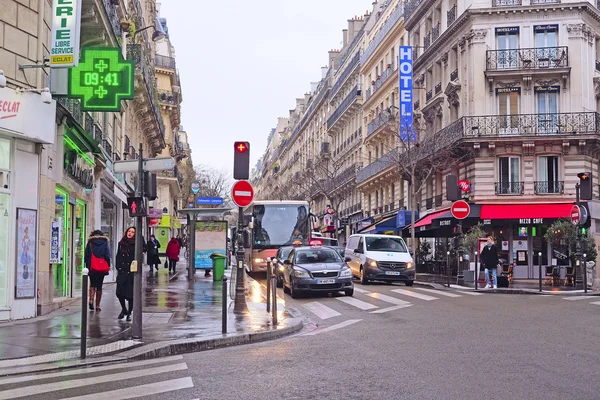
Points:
[(272, 224)]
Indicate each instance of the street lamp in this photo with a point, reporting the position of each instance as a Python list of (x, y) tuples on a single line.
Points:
[(448, 266)]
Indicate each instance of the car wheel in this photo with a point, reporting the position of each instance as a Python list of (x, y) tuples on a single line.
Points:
[(285, 288), (363, 277), (409, 283), (293, 292), (280, 281), (349, 292)]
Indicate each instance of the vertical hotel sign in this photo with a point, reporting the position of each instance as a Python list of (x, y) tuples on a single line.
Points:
[(405, 70), (66, 23)]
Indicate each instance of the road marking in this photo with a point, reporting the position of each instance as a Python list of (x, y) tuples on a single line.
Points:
[(596, 303), (461, 287), (580, 298), (321, 310), (440, 292), (140, 391), (363, 305), (359, 290), (470, 293), (69, 384), (332, 328), (384, 310), (414, 294), (389, 299), (90, 370)]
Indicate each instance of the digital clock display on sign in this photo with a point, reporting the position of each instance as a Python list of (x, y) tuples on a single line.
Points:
[(102, 79)]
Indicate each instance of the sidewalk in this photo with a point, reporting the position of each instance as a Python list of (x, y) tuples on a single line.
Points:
[(178, 316)]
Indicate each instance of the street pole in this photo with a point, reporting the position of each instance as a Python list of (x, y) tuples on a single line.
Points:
[(269, 284), (584, 272), (579, 277), (476, 275), (540, 267), (136, 326), (240, 296), (460, 274), (84, 300), (448, 267), (192, 246)]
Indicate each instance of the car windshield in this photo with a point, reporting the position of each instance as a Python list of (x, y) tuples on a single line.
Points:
[(285, 252), (395, 245), (340, 250), (317, 256)]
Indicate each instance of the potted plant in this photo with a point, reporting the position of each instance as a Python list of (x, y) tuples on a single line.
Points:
[(128, 26)]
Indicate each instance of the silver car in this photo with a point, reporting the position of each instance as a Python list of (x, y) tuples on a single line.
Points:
[(316, 270)]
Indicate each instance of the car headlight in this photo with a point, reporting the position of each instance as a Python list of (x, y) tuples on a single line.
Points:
[(409, 265), (300, 273), (372, 263), (346, 272), (258, 260), (281, 267)]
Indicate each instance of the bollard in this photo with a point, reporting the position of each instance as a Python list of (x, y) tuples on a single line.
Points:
[(84, 300), (448, 267), (540, 269), (274, 308), (584, 262), (269, 273), (224, 308), (476, 275)]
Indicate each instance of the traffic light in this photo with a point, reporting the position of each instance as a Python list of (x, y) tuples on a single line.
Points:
[(241, 160), (585, 185), (453, 192), (137, 206), (150, 185)]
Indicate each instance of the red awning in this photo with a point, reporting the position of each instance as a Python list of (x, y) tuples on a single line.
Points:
[(517, 211), (426, 220)]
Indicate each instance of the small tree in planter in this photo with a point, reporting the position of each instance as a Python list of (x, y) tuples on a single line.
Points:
[(471, 238), (563, 236)]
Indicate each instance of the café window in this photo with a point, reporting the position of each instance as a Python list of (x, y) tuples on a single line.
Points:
[(509, 174), (508, 109), (546, 99), (507, 42), (547, 174)]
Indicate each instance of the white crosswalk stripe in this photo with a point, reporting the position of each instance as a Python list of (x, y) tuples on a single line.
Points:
[(470, 293), (117, 380), (409, 293), (359, 290), (321, 310), (388, 299), (440, 292), (388, 309), (595, 303), (363, 305), (575, 298)]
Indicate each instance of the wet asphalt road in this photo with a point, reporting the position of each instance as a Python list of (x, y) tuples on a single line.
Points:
[(389, 342)]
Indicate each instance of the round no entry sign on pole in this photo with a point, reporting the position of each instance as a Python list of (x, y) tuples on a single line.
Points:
[(242, 193), (575, 214), (460, 209)]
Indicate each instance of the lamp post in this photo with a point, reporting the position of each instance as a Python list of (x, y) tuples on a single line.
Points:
[(476, 275), (540, 268), (448, 267), (584, 262)]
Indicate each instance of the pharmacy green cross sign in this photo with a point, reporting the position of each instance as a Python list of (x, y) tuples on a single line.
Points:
[(102, 79)]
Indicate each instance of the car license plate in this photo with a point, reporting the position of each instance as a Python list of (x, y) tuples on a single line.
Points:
[(392, 273), (325, 281)]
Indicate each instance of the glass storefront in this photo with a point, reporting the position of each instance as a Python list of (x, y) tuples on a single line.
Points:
[(61, 271), (108, 218), (79, 246), (5, 218)]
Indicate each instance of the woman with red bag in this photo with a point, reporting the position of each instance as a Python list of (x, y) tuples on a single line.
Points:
[(97, 261), (173, 249)]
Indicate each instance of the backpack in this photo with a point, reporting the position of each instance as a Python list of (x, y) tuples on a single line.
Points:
[(99, 265)]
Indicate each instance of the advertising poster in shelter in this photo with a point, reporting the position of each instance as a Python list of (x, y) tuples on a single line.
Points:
[(211, 237), (26, 241)]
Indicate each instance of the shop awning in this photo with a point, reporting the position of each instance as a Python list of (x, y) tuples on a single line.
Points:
[(428, 219), (519, 211), (386, 224)]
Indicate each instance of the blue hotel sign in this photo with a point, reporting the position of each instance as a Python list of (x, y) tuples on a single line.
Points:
[(212, 201), (405, 56)]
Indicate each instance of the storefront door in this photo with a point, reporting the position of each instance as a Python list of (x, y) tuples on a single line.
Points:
[(79, 243), (62, 271)]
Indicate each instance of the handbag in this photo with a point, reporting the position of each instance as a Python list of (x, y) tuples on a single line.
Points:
[(166, 263), (99, 265)]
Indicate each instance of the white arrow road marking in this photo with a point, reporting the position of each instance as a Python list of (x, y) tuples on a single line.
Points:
[(333, 327)]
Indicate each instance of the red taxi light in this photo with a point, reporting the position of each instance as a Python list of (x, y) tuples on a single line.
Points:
[(315, 243)]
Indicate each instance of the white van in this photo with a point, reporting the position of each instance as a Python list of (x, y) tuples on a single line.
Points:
[(379, 258)]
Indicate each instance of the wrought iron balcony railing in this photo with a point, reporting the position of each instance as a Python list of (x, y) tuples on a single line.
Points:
[(435, 32), (73, 106), (93, 128), (113, 17), (454, 75), (417, 104), (451, 15), (544, 1), (529, 58), (509, 187), (438, 88), (377, 123), (349, 143), (165, 62), (505, 3), (398, 13), (168, 97), (532, 124), (344, 75), (350, 98), (107, 147), (385, 76), (549, 187), (427, 41), (434, 201)]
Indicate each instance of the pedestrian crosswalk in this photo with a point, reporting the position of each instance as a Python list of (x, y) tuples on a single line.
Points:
[(581, 298), (138, 379)]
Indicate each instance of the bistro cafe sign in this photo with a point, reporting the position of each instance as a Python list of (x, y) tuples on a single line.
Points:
[(66, 23)]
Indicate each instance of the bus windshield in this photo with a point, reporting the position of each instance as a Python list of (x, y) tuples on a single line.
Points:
[(279, 224)]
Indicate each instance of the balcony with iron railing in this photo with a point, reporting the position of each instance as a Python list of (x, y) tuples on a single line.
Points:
[(349, 143), (528, 58), (107, 148), (378, 122), (165, 62), (417, 104), (168, 97), (354, 94), (532, 124), (451, 15), (93, 128), (435, 32), (427, 41), (341, 79), (434, 201), (549, 187), (379, 82), (438, 88), (429, 95), (73, 106), (505, 3), (113, 17), (510, 188), (396, 15)]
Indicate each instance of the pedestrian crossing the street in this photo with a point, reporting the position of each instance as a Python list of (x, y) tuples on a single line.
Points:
[(137, 379)]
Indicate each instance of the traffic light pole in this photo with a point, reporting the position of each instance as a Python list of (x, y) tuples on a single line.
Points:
[(240, 296), (578, 245), (136, 326)]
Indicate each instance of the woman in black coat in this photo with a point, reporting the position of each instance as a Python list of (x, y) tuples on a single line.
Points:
[(153, 259), (125, 256)]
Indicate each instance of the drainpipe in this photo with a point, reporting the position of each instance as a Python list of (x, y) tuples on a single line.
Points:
[(40, 44)]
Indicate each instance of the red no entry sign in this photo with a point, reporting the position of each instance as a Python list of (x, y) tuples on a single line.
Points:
[(242, 193), (575, 214), (460, 209)]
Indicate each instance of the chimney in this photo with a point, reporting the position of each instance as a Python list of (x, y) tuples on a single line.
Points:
[(333, 56), (324, 71), (351, 31), (313, 86), (345, 35)]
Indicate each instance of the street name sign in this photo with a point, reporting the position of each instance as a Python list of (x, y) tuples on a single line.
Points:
[(150, 164), (460, 209), (209, 201), (242, 193)]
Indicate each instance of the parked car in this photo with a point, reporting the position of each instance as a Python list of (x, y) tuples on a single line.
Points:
[(278, 266), (379, 258), (316, 269)]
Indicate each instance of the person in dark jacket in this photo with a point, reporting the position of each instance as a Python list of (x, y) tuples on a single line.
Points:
[(180, 241), (153, 259), (489, 259), (125, 256), (173, 249), (98, 246)]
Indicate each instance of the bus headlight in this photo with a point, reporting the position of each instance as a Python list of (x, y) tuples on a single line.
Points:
[(259, 260)]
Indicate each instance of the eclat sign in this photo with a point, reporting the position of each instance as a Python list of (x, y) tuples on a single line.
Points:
[(66, 21)]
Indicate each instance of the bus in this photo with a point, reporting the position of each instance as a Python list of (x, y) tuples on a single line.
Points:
[(272, 224)]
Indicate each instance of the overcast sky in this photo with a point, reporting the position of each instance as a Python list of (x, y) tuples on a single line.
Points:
[(243, 63)]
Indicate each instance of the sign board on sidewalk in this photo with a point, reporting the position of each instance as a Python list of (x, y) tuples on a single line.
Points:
[(211, 237), (64, 39), (242, 193), (460, 209)]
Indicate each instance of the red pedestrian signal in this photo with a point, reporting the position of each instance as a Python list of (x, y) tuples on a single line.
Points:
[(241, 160), (137, 206)]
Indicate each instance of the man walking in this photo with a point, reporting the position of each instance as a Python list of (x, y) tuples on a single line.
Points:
[(489, 259)]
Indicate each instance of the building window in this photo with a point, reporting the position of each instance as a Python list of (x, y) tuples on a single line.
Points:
[(547, 175), (546, 99), (509, 173), (507, 41), (546, 40), (508, 108)]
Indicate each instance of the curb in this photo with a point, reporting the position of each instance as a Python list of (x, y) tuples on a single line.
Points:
[(508, 290)]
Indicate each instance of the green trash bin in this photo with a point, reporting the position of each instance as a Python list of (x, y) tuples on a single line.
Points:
[(218, 263)]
